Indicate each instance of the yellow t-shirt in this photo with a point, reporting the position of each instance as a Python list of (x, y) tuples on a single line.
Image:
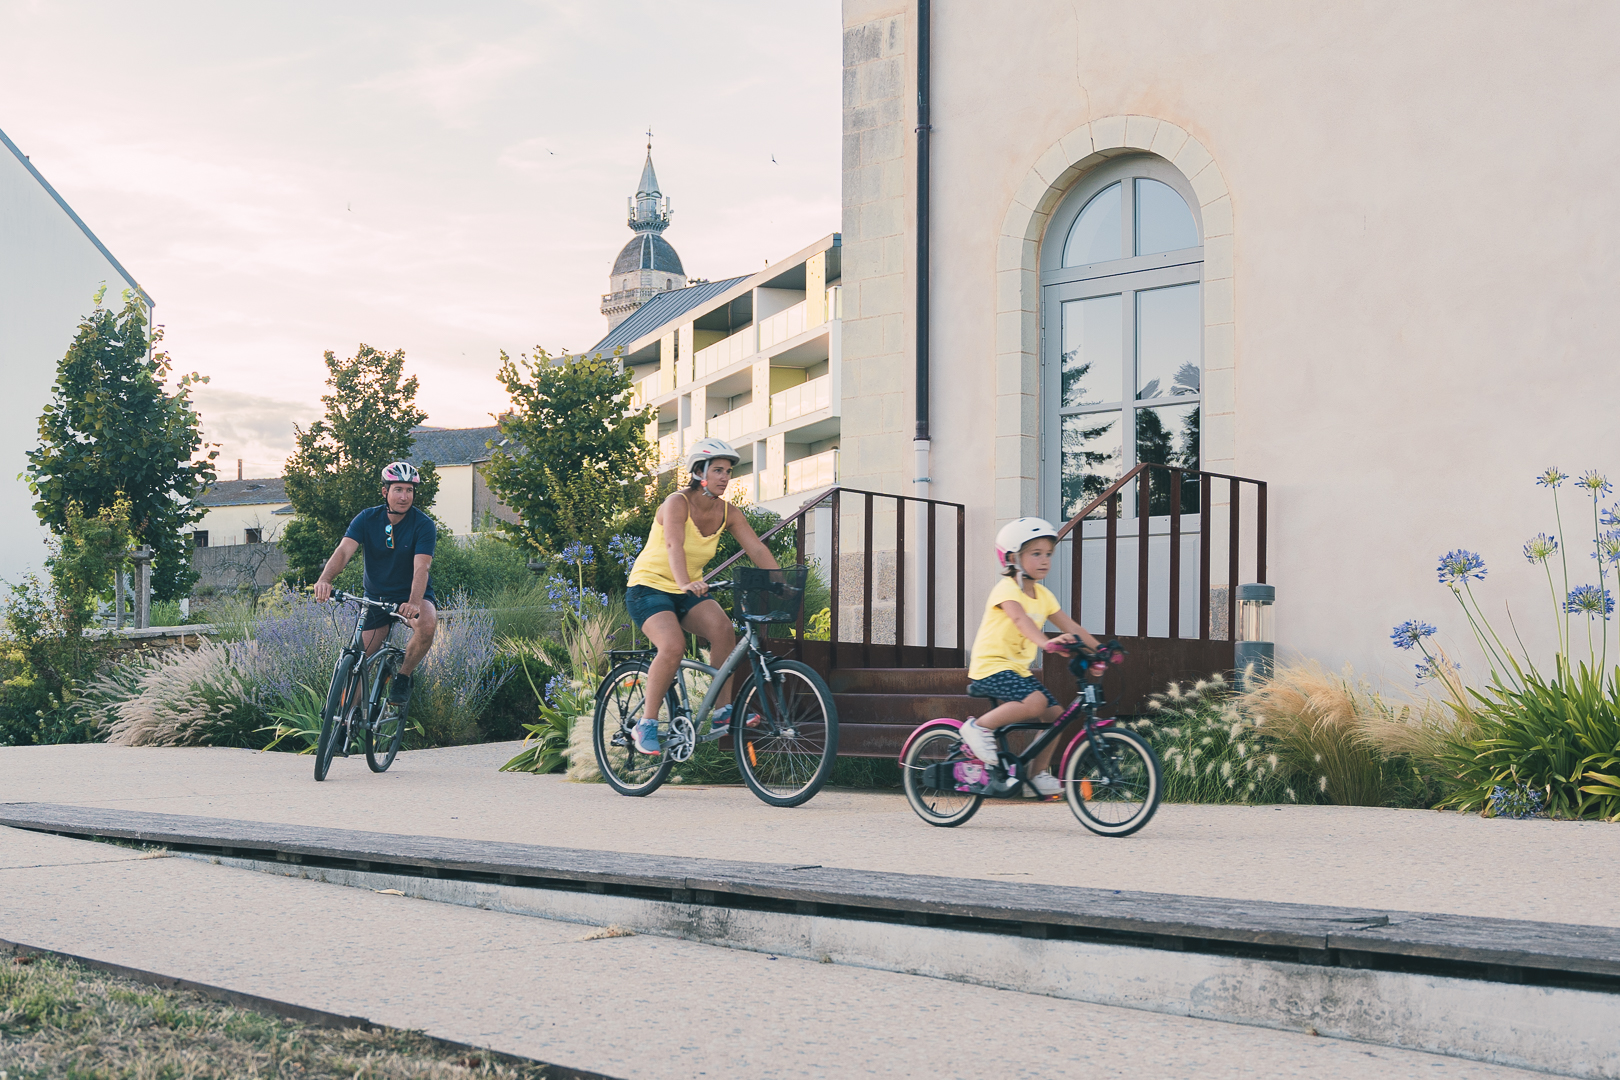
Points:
[(651, 567), (999, 646)]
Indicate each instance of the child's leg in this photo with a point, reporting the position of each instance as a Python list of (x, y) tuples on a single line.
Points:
[(1043, 760), (1032, 707)]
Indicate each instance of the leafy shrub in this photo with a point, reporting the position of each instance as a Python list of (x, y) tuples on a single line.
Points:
[(482, 566), (44, 661)]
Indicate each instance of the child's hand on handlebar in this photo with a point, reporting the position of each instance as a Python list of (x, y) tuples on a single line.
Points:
[(1063, 643)]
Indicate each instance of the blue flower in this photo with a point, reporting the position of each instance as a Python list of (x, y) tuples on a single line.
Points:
[(1595, 482), (1410, 632), (1540, 547), (1458, 566), (1551, 478), (1589, 600), (624, 548), (1608, 548), (1519, 801), (1434, 668), (578, 553), (1611, 516), (558, 684)]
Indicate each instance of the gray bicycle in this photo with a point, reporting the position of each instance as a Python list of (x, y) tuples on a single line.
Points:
[(784, 727), (352, 710)]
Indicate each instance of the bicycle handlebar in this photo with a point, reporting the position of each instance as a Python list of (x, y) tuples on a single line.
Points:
[(343, 598)]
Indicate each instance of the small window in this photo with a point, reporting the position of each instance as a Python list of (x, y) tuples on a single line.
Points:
[(254, 535), (200, 538)]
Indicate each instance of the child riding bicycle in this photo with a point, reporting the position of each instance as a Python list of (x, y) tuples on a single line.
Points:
[(1009, 635)]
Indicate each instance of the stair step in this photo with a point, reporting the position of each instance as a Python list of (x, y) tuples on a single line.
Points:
[(905, 708), (898, 680)]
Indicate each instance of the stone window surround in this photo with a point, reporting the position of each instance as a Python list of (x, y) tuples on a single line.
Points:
[(1018, 295)]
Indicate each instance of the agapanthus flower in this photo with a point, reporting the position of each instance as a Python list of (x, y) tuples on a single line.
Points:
[(624, 548), (1608, 547), (1611, 516), (1433, 667), (578, 553), (1589, 600), (1551, 478), (1595, 482), (1457, 566), (1520, 801), (1540, 547), (1410, 632)]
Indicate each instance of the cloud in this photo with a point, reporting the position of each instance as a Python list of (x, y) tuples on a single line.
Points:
[(253, 427)]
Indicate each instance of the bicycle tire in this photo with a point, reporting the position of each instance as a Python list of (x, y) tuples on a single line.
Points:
[(931, 747), (788, 756), (620, 701), (325, 746), (385, 724), (1116, 797)]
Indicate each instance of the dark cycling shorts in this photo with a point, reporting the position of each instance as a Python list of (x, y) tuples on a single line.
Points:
[(376, 620), (1008, 686), (644, 601)]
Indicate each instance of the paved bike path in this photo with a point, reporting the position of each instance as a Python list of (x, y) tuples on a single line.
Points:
[(628, 1007)]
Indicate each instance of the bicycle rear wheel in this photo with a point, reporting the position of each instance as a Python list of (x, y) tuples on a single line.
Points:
[(334, 713), (1113, 782), (786, 734), (385, 726), (944, 807), (621, 702)]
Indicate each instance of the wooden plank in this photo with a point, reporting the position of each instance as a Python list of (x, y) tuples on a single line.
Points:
[(1591, 950)]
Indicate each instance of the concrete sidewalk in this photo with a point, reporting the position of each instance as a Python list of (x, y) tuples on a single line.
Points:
[(630, 1007), (1389, 859)]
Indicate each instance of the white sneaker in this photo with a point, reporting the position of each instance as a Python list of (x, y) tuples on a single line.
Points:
[(980, 741), (1048, 785)]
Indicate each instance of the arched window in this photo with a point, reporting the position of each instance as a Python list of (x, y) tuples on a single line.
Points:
[(1121, 333)]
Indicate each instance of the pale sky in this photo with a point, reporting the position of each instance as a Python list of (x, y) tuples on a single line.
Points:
[(294, 177)]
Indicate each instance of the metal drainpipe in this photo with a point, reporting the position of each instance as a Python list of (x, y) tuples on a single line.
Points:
[(920, 441)]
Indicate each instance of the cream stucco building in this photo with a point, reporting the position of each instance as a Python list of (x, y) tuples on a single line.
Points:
[(1363, 254)]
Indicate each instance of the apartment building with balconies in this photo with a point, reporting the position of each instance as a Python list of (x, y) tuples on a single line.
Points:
[(752, 360)]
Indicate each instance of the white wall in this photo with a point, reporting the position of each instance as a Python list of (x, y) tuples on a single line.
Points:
[(49, 271), (227, 525), (454, 503), (1424, 261)]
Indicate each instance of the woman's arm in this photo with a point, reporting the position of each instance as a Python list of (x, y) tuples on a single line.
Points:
[(751, 544), (674, 511)]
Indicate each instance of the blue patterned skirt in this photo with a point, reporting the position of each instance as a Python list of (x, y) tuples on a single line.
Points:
[(1009, 686)]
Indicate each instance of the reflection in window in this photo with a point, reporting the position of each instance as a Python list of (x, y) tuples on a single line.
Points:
[(1169, 332), (1093, 457), (1095, 235), (1168, 435), (1091, 348), (1163, 222)]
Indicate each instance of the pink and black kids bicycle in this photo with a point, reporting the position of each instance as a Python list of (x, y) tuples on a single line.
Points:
[(1111, 777)]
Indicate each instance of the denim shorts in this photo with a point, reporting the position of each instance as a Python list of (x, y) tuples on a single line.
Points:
[(644, 601), (1008, 686)]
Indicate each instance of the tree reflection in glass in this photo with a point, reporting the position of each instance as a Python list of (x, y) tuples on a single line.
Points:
[(1093, 457), (1168, 435)]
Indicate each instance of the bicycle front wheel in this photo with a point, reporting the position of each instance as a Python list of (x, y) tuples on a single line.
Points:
[(334, 714), (385, 726), (1113, 782), (621, 701), (785, 733), (944, 807)]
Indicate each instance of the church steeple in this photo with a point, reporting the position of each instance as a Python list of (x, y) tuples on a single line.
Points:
[(647, 265)]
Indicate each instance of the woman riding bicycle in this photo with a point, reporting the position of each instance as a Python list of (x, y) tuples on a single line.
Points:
[(1018, 607), (667, 597)]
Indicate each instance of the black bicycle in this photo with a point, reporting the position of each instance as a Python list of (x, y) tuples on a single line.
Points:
[(1111, 777), (784, 727), (352, 712)]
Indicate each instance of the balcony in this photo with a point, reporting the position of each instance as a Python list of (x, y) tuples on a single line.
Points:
[(809, 473), (732, 426), (669, 449), (781, 326), (807, 397), (723, 353)]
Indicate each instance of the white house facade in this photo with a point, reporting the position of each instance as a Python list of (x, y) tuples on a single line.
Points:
[(51, 265)]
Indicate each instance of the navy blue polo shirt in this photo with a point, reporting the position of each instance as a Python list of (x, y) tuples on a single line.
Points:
[(389, 569)]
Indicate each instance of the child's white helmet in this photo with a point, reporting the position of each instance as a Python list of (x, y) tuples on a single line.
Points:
[(1012, 537)]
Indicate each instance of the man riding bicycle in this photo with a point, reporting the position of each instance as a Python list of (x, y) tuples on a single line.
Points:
[(398, 541)]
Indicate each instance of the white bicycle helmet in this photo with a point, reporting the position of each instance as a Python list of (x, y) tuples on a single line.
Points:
[(400, 472), (706, 450), (1011, 538)]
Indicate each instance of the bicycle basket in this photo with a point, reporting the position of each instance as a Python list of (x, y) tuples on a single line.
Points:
[(770, 596)]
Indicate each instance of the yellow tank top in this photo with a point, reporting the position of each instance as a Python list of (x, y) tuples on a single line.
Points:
[(652, 565)]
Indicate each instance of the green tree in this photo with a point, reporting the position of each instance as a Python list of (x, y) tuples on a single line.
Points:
[(334, 472), (116, 429), (577, 464)]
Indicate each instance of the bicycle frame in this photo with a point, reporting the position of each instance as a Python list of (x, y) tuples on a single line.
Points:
[(747, 645), (365, 666)]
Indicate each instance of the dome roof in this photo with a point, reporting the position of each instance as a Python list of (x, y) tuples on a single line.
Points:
[(648, 252)]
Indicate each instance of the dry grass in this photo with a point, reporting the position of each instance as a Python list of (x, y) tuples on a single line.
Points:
[(60, 1020), (1325, 724), (188, 697)]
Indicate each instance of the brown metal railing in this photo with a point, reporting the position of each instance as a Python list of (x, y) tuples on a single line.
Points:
[(927, 650), (1172, 490)]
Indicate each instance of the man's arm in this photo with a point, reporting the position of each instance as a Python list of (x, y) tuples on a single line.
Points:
[(419, 580), (334, 566)]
